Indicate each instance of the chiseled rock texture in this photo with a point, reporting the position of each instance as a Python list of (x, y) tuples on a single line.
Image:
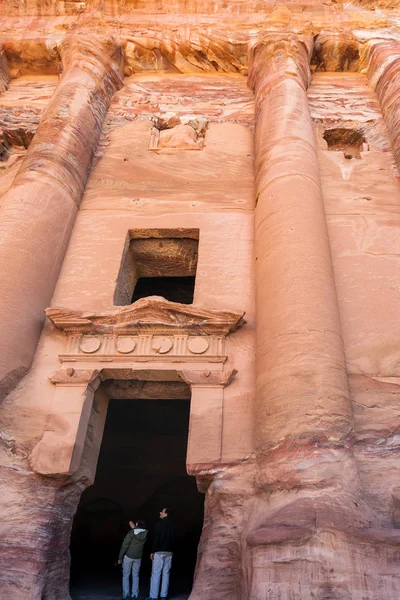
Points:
[(262, 140)]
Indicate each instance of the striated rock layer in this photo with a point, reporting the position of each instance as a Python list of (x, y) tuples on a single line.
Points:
[(251, 148)]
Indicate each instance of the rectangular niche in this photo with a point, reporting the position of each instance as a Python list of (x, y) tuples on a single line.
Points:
[(349, 141), (178, 133), (158, 262)]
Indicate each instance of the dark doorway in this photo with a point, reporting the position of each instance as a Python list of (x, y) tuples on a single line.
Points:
[(174, 289), (141, 469)]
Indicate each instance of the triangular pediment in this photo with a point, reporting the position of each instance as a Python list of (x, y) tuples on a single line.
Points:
[(147, 315)]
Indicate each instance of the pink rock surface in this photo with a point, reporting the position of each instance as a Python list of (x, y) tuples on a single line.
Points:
[(293, 432)]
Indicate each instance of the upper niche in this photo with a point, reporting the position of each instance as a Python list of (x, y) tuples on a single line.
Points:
[(350, 141), (158, 262), (336, 52), (14, 142), (178, 134)]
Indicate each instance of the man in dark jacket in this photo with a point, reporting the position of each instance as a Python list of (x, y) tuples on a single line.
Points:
[(163, 547), (131, 557)]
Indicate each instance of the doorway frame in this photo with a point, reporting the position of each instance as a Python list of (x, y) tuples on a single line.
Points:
[(152, 339)]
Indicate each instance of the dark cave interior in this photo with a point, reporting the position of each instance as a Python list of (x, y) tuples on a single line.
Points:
[(141, 469), (174, 289)]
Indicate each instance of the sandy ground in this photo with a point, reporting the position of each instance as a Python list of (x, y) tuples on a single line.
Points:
[(110, 589)]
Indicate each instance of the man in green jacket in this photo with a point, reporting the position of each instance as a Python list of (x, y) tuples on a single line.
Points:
[(131, 557)]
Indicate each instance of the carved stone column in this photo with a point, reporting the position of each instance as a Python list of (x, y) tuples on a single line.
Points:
[(59, 452), (309, 511), (384, 77), (38, 212), (206, 414), (303, 412)]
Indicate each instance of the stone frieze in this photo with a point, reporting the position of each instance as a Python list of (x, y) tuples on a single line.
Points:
[(150, 330)]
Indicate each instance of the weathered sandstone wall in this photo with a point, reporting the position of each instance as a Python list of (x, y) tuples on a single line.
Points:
[(122, 117)]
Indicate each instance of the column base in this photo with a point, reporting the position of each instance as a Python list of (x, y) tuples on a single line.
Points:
[(317, 548)]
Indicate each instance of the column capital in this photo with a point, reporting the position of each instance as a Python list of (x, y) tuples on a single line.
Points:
[(279, 56), (71, 376), (207, 378), (100, 56)]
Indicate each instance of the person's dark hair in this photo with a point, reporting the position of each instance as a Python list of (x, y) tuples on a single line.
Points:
[(141, 524)]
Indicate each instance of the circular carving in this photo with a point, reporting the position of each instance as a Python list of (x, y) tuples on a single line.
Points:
[(162, 345), (198, 345), (125, 345), (89, 344)]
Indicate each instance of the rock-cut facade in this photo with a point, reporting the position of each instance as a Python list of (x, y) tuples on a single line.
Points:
[(255, 146)]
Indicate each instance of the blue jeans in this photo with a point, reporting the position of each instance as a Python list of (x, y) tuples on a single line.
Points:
[(160, 570), (130, 565)]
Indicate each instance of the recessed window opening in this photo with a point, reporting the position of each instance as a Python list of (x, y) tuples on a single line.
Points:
[(14, 141), (158, 262), (141, 469), (350, 141), (175, 289), (178, 133)]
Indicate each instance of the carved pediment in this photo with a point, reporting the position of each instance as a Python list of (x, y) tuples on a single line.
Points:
[(152, 340), (148, 315)]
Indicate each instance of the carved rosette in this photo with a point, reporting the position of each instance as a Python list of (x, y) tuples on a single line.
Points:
[(150, 330)]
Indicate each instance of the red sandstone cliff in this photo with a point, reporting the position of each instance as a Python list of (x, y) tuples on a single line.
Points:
[(267, 136)]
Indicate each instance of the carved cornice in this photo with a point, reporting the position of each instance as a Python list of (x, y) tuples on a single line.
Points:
[(195, 45), (153, 315)]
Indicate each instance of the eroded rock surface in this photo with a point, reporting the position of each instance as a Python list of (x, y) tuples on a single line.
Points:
[(253, 150)]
